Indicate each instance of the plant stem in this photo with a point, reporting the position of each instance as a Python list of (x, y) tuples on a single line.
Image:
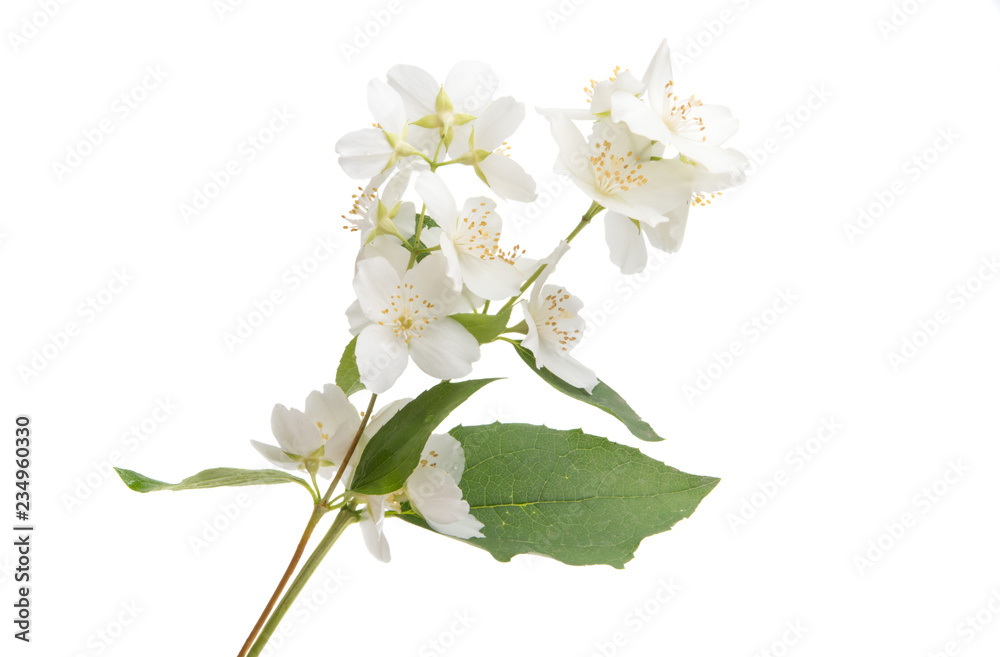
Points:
[(317, 513), (416, 236), (350, 450), (591, 212), (346, 517), (322, 506)]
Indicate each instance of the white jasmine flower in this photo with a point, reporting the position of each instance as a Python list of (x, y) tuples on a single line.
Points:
[(433, 492), (614, 167), (487, 151), (470, 241), (433, 488), (695, 129), (315, 440), (555, 326), (371, 151), (408, 317)]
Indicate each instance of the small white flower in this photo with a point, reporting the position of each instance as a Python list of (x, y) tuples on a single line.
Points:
[(433, 492), (407, 316), (555, 326), (433, 488), (470, 241), (487, 150), (695, 129), (614, 167), (315, 440), (368, 152)]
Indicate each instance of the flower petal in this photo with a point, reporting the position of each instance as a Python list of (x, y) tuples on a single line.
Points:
[(338, 417), (381, 357), (626, 243), (507, 179), (498, 122), (438, 199), (658, 75), (669, 236), (356, 319), (639, 117), (445, 350), (372, 519), (295, 433), (565, 367), (489, 278), (428, 281), (364, 153), (386, 106), (375, 282), (436, 496), (573, 150), (446, 454), (417, 88), (471, 86), (276, 456)]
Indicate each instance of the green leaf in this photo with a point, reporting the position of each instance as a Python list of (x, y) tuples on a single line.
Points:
[(568, 495), (348, 376), (393, 452), (603, 397), (214, 478), (483, 327)]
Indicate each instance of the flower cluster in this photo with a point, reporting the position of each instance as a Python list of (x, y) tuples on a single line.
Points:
[(429, 265)]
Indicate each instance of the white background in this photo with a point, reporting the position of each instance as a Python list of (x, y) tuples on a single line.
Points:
[(834, 103)]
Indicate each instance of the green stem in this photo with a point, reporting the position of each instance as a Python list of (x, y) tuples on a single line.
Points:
[(345, 518), (594, 209), (416, 236), (317, 513)]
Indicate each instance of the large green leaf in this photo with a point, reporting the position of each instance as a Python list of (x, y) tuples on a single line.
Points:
[(348, 376), (393, 452), (483, 327), (214, 478), (603, 397), (568, 495)]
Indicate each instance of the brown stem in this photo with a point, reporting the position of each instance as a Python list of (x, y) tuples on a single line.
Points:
[(350, 450), (317, 513)]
